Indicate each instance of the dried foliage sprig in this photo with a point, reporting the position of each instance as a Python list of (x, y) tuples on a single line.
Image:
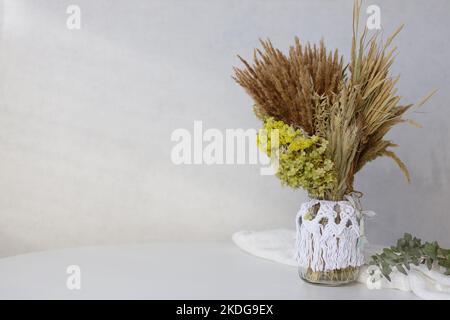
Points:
[(353, 109), (411, 251)]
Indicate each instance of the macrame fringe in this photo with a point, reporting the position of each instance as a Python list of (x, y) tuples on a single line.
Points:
[(329, 239)]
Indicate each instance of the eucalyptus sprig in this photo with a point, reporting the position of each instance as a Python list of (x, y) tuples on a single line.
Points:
[(410, 250)]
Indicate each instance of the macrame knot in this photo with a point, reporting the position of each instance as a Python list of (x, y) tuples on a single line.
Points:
[(330, 234)]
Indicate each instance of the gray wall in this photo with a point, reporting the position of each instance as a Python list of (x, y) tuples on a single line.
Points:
[(86, 118)]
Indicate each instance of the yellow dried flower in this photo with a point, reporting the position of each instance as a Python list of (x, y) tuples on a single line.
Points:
[(302, 159)]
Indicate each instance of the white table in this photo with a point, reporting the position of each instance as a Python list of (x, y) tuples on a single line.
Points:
[(165, 271)]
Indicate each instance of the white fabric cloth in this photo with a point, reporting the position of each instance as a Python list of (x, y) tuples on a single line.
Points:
[(279, 246)]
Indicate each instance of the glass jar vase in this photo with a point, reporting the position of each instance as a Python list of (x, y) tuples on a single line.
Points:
[(329, 247)]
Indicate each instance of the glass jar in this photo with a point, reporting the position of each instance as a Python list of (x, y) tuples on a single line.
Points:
[(329, 250), (329, 278)]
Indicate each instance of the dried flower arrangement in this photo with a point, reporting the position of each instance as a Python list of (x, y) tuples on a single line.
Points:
[(331, 119), (345, 109)]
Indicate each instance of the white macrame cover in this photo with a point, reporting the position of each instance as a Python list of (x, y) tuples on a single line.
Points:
[(329, 246)]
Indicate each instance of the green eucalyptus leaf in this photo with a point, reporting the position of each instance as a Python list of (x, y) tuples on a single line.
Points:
[(429, 263), (411, 250), (444, 263), (401, 269), (387, 277)]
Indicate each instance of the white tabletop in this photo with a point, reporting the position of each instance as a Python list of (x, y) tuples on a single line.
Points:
[(165, 271)]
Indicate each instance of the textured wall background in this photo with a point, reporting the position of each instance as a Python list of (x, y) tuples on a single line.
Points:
[(86, 118)]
